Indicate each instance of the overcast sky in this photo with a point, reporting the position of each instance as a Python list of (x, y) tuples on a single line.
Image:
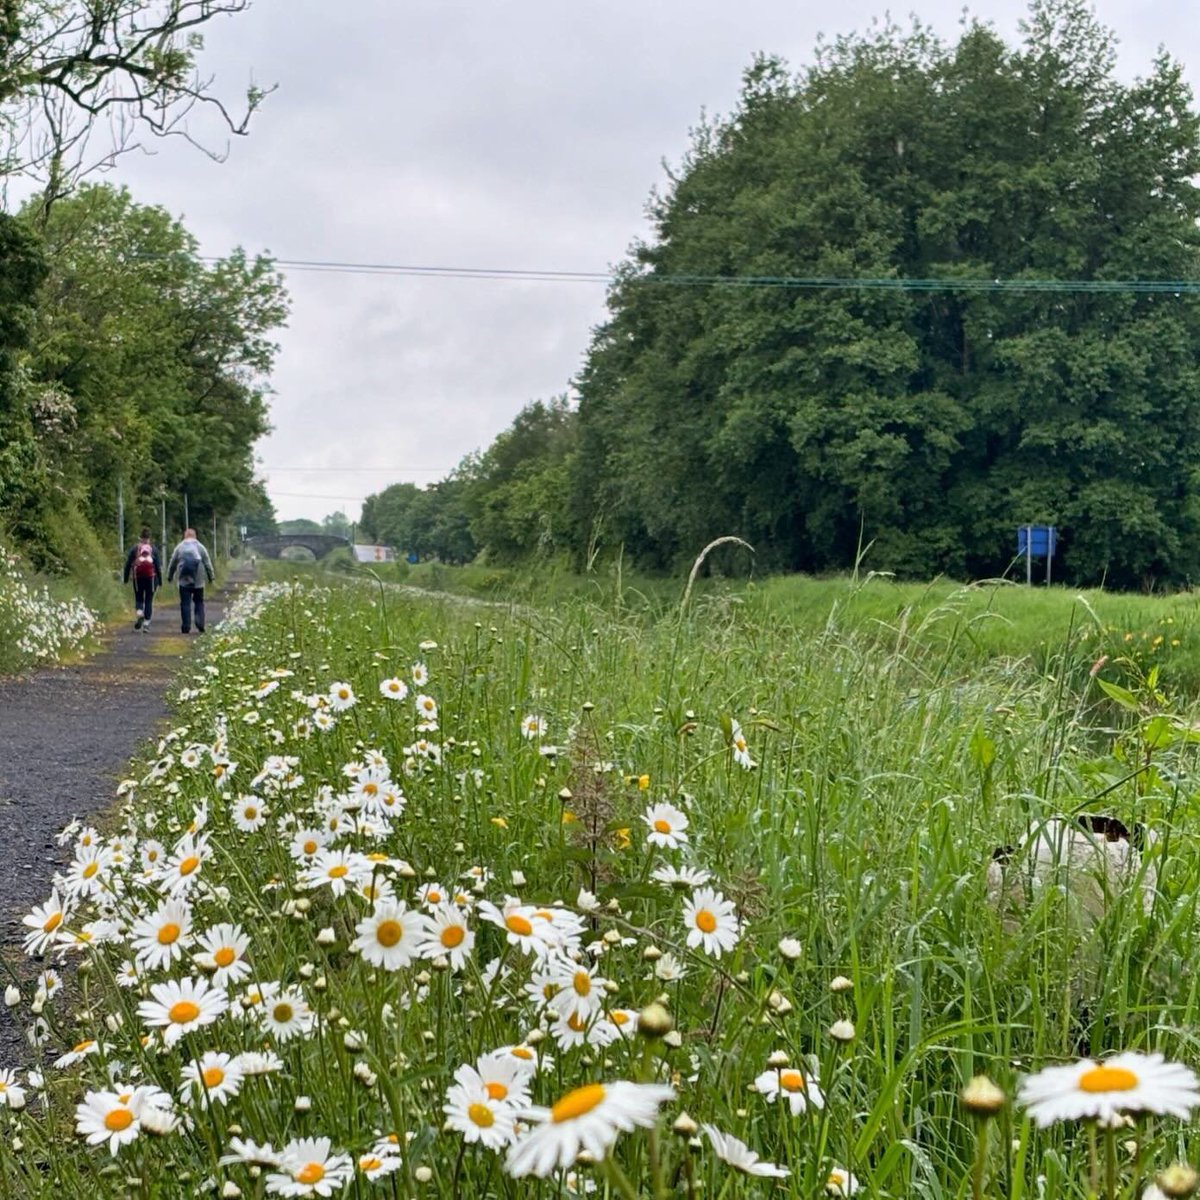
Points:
[(525, 134)]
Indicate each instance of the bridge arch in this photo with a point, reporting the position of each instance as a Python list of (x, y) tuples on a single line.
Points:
[(317, 544)]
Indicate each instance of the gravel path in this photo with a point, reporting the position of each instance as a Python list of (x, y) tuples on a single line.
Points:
[(66, 736)]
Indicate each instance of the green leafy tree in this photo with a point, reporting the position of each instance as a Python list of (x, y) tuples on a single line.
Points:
[(928, 423)]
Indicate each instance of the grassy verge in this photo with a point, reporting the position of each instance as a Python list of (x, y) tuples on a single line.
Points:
[(848, 882)]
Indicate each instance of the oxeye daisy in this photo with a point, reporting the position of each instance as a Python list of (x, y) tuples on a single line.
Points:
[(447, 936), (44, 922), (111, 1117), (517, 921), (390, 936), (285, 1013), (259, 1062), (741, 752), (588, 1118), (341, 697), (88, 874), (213, 1079), (681, 878), (393, 689), (249, 814), (153, 855), (159, 939), (475, 1113), (527, 1058), (419, 674), (501, 1075), (740, 1157), (839, 1182), (578, 991), (791, 1085), (711, 922), (77, 1052), (184, 866), (339, 869), (12, 1094), (181, 1005), (667, 825), (431, 895), (376, 1166), (223, 951), (306, 842), (323, 720), (533, 727), (1125, 1083), (307, 1168)]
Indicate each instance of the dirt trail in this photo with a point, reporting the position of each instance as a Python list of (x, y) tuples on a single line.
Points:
[(66, 736)]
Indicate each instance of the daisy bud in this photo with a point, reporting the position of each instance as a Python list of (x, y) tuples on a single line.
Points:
[(18, 1145), (1178, 1180), (16, 1102), (780, 1003), (352, 1042), (306, 970), (841, 984), (406, 871), (12, 995), (982, 1097), (790, 948), (564, 794), (742, 977), (651, 954), (779, 1058), (518, 879), (326, 937), (674, 1039), (320, 983), (842, 1031), (441, 963), (586, 901), (159, 1121), (655, 1021), (39, 1001), (423, 978), (112, 1022), (588, 706), (85, 967), (612, 937), (423, 1174), (230, 1190), (684, 1126), (536, 1037), (302, 1104)]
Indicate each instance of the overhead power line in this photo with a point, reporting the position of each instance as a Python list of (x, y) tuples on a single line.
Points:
[(798, 282)]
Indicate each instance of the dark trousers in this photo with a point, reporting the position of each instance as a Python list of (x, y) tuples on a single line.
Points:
[(143, 596), (189, 595)]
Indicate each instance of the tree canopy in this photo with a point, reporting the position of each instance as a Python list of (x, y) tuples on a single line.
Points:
[(928, 423)]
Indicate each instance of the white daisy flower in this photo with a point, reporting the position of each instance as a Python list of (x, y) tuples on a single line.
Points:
[(741, 752), (341, 697), (517, 921), (587, 1118), (12, 1094), (307, 1168), (839, 1182), (249, 814), (667, 825), (391, 936), (533, 727), (501, 1075), (285, 1013), (153, 855), (740, 1157), (183, 868), (472, 1111), (159, 939), (376, 1166), (306, 842), (393, 689), (339, 869), (259, 1062), (1125, 1083), (213, 1079), (116, 1116), (578, 989), (419, 674), (447, 935), (78, 1052), (222, 949), (44, 922), (787, 1083), (681, 878), (711, 922), (181, 1005)]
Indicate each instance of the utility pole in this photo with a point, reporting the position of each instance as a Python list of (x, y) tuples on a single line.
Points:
[(187, 520), (163, 543), (214, 541), (121, 517)]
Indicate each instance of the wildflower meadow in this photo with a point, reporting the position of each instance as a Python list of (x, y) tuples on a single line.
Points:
[(34, 626), (425, 898)]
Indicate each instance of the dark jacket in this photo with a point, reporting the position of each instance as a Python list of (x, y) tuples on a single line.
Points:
[(157, 563), (179, 561)]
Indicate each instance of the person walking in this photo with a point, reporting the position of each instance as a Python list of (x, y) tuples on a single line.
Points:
[(144, 565), (189, 559)]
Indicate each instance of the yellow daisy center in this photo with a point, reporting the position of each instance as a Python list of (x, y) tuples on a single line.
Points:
[(309, 847), (582, 983), (576, 1022), (370, 1163), (282, 1013), (118, 1119), (619, 1018), (338, 872), (312, 1172), (250, 812), (661, 826), (168, 934), (576, 1103), (1107, 1079), (80, 1047), (518, 924), (53, 921), (497, 1091), (183, 1011), (224, 956), (705, 921), (791, 1081), (481, 1115), (522, 1053), (453, 936), (213, 1077), (189, 864), (389, 933), (90, 870)]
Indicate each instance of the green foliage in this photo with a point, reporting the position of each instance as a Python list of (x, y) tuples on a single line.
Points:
[(927, 424), (146, 372)]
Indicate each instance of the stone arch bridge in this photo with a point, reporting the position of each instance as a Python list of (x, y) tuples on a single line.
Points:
[(273, 545)]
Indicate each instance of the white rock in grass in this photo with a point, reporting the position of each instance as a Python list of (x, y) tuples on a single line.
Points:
[(1095, 860)]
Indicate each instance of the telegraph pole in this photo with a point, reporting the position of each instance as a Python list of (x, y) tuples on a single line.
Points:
[(163, 543), (121, 518), (187, 521)]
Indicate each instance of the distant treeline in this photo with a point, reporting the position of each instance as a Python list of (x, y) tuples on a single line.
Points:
[(924, 422)]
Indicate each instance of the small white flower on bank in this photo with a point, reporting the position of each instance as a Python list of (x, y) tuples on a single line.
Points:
[(711, 922), (667, 826), (740, 1157)]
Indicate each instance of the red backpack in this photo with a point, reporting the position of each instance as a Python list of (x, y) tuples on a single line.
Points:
[(143, 562)]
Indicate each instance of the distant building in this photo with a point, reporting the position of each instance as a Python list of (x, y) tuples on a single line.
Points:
[(370, 554)]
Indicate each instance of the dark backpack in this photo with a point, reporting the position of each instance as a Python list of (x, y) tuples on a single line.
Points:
[(190, 563), (143, 562)]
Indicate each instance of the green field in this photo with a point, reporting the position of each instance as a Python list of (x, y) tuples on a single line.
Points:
[(898, 735)]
